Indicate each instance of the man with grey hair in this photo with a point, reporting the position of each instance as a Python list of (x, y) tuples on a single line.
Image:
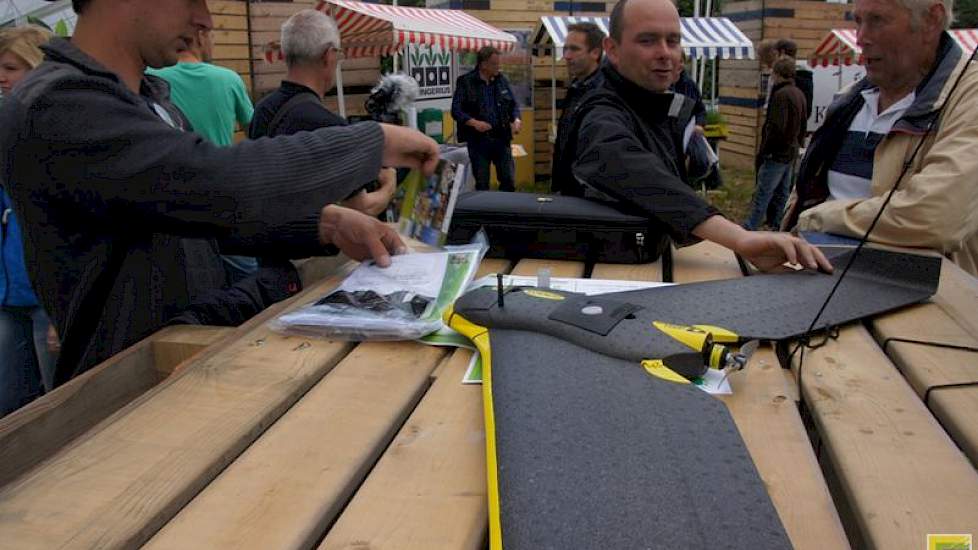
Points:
[(311, 43), (873, 127)]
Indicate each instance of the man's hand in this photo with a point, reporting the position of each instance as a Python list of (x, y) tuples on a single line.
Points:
[(480, 126), (516, 126), (358, 235), (407, 148), (768, 251), (376, 201)]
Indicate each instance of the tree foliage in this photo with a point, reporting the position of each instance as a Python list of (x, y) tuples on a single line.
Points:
[(966, 14)]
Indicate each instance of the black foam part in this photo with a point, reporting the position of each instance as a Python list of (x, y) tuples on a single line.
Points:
[(593, 452), (765, 307)]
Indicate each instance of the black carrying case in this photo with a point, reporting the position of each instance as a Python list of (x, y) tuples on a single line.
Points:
[(554, 227)]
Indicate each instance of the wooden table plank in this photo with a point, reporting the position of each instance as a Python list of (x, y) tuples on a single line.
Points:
[(174, 345), (958, 296), (926, 366), (900, 473), (291, 484), (768, 420), (764, 409), (493, 265), (929, 366), (957, 409), (37, 431), (429, 488), (623, 272), (136, 469), (558, 268), (704, 261)]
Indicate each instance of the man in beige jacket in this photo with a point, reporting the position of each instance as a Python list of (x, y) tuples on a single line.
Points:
[(873, 127)]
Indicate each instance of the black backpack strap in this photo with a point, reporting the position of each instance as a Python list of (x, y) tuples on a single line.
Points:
[(286, 108)]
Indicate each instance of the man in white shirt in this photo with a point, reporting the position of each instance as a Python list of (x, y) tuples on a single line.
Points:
[(873, 127)]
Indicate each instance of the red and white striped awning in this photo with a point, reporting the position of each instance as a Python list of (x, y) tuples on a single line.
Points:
[(839, 47), (376, 29), (966, 38), (370, 30)]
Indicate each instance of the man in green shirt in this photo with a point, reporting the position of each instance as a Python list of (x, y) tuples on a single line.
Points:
[(213, 98)]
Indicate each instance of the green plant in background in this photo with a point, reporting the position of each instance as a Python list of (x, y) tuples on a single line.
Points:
[(714, 117), (61, 28)]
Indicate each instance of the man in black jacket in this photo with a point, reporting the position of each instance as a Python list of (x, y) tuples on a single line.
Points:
[(487, 116), (582, 52), (121, 208), (782, 135), (628, 141)]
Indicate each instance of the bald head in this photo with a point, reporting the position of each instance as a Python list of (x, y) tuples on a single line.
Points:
[(645, 42)]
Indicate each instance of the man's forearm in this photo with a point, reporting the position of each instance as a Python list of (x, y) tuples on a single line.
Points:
[(720, 230)]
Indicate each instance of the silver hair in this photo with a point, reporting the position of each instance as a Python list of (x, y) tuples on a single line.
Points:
[(919, 7), (307, 35)]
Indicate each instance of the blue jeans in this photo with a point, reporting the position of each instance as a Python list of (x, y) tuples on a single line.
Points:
[(484, 150), (770, 194), (26, 368), (239, 268)]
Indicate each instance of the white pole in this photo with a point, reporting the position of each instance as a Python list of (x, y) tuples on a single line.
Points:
[(706, 13), (695, 63), (339, 89), (553, 96)]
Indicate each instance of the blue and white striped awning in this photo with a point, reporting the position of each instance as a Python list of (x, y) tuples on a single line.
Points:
[(708, 37)]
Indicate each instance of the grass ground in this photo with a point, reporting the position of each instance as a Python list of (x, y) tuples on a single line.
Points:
[(733, 199)]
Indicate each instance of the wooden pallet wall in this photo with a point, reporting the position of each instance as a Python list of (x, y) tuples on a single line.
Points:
[(230, 36), (741, 99)]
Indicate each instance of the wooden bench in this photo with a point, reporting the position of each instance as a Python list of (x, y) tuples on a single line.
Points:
[(258, 440)]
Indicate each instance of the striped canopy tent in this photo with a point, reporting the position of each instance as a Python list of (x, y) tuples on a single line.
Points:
[(702, 37), (371, 30), (839, 47)]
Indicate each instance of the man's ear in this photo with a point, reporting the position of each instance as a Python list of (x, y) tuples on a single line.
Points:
[(934, 18), (610, 49)]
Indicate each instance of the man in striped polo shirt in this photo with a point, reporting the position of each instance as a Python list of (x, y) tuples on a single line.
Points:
[(874, 126)]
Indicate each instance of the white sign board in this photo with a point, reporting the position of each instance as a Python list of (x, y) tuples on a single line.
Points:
[(433, 68), (827, 82)]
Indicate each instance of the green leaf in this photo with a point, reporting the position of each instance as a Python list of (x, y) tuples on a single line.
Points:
[(61, 28)]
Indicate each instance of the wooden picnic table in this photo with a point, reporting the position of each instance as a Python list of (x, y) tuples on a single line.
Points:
[(206, 437)]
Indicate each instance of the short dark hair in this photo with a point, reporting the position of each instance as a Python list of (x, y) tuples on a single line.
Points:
[(785, 68), (593, 34), (787, 47), (484, 54), (617, 24)]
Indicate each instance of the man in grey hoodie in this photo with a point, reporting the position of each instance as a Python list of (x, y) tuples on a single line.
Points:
[(122, 209)]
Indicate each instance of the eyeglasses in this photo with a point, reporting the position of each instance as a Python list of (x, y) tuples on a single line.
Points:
[(339, 53)]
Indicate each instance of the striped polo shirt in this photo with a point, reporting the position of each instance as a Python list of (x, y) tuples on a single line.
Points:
[(852, 172)]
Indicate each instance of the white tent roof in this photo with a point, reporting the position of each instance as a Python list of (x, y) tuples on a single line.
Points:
[(708, 37)]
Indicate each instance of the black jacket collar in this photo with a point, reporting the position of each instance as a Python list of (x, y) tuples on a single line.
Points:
[(653, 106)]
